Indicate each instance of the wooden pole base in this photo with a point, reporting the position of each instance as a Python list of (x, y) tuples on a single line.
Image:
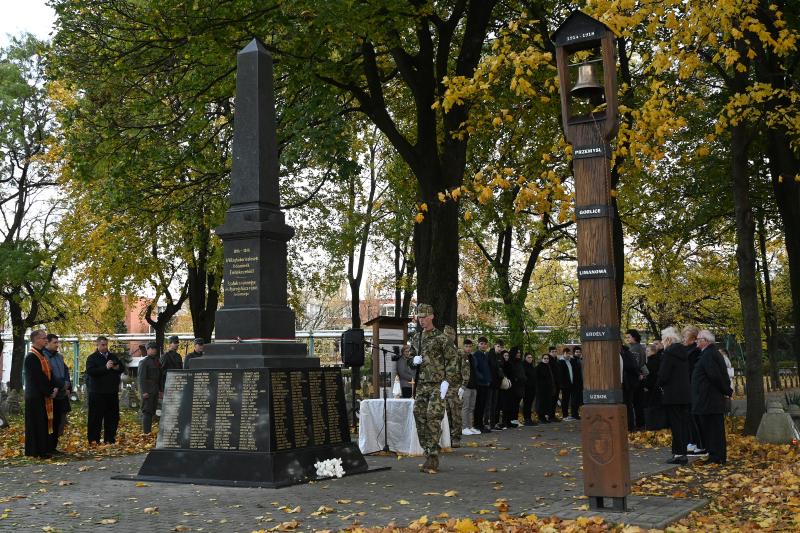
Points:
[(606, 466)]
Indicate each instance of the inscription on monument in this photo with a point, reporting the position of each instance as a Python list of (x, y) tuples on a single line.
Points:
[(230, 410), (224, 414), (281, 402), (240, 278), (249, 405), (318, 426), (334, 418), (169, 428), (201, 407)]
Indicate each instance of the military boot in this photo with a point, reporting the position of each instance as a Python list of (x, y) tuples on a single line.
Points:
[(434, 468), (427, 464)]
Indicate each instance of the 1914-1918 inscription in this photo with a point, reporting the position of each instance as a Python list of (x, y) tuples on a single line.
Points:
[(241, 409), (240, 276)]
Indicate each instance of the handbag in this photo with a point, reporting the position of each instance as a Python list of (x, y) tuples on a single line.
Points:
[(655, 418), (505, 384)]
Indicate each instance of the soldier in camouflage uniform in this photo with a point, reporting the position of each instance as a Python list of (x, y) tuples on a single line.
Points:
[(435, 357), (456, 392)]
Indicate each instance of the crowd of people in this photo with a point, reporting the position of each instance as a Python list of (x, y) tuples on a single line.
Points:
[(681, 382), (48, 386)]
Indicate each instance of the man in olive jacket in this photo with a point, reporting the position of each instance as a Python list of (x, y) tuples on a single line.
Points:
[(673, 378), (149, 379), (171, 359), (710, 386)]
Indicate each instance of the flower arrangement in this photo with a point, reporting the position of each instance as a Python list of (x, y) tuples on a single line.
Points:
[(329, 468)]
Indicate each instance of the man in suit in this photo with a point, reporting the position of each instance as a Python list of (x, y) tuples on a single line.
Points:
[(103, 369), (567, 385), (710, 386)]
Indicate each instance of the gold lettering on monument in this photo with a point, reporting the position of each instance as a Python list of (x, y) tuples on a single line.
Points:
[(223, 414), (242, 268), (247, 429), (318, 426), (280, 394), (299, 416), (200, 430)]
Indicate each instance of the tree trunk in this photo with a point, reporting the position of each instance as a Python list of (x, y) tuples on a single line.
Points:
[(408, 290), (203, 300), (784, 166), (17, 343), (436, 256), (770, 320), (355, 303), (746, 261)]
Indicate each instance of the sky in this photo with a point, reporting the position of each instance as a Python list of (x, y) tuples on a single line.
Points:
[(19, 16)]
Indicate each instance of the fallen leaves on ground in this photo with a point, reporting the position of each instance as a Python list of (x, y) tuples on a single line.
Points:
[(74, 444)]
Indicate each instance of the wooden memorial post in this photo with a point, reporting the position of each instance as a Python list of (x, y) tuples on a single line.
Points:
[(586, 58), (388, 332)]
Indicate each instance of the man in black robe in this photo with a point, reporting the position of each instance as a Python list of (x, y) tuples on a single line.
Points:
[(39, 394)]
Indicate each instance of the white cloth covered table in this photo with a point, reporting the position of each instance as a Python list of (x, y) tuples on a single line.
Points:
[(403, 436)]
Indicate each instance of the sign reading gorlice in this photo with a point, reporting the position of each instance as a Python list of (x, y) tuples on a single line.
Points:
[(591, 211)]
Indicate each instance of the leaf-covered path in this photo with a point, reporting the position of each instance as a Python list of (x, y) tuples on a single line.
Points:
[(515, 472)]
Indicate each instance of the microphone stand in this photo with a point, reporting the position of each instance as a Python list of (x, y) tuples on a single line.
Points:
[(385, 416)]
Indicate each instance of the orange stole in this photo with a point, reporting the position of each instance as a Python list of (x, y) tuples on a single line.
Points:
[(48, 401)]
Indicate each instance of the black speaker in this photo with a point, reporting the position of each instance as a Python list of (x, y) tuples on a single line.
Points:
[(353, 347)]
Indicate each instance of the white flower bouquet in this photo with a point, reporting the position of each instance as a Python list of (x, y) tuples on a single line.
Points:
[(329, 468)]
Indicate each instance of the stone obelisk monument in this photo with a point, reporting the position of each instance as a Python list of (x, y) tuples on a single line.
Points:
[(255, 410)]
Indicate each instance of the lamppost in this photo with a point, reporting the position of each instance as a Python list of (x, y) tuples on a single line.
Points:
[(586, 59)]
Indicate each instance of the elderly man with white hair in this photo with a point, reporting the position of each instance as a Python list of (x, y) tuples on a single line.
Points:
[(673, 378), (710, 386)]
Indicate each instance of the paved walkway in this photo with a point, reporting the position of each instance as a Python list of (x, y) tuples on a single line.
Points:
[(537, 470)]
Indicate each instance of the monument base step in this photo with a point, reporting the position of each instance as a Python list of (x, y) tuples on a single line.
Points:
[(246, 469)]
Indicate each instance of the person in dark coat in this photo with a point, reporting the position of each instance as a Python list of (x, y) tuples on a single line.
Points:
[(576, 397), (516, 373), (710, 387), (171, 359), (696, 444), (651, 389), (60, 379), (630, 383), (39, 393), (493, 404), (545, 388), (149, 381), (103, 370), (567, 384), (673, 378), (483, 377), (199, 345), (530, 390), (555, 370)]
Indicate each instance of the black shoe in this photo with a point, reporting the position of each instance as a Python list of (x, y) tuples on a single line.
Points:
[(530, 423), (554, 419), (680, 460), (485, 430), (499, 427), (57, 452)]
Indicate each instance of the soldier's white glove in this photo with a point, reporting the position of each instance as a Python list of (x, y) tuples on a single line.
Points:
[(417, 360), (443, 388), (461, 393)]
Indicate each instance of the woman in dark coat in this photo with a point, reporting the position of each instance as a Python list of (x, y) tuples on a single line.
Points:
[(39, 394), (652, 391), (673, 378), (530, 389), (516, 373), (545, 387), (630, 382)]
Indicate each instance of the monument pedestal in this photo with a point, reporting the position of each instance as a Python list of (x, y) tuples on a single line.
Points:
[(254, 427)]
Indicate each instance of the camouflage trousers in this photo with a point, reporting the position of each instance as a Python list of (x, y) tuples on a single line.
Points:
[(428, 412), (454, 407)]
